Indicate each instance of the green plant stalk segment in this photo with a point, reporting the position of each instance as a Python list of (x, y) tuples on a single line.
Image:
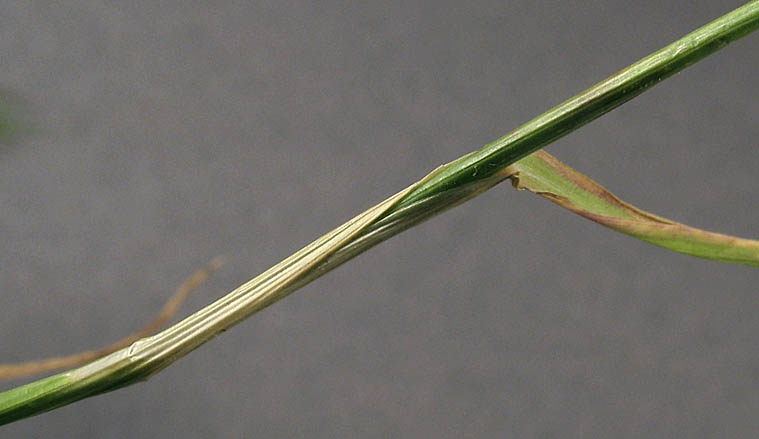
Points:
[(445, 187), (597, 100)]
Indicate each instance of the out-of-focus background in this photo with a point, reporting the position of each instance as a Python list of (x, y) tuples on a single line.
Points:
[(156, 135)]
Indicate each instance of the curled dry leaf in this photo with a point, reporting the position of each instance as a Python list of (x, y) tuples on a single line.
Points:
[(546, 176), (46, 365)]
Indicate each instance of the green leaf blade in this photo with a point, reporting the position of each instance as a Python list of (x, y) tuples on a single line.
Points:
[(546, 176)]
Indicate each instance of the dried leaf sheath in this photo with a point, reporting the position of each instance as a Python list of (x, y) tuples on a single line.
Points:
[(149, 355)]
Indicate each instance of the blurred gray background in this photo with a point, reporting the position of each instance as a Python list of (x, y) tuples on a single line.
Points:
[(161, 134)]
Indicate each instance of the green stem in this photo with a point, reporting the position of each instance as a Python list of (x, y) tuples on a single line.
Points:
[(595, 101), (444, 188)]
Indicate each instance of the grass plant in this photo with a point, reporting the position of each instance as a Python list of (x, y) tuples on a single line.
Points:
[(445, 187)]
